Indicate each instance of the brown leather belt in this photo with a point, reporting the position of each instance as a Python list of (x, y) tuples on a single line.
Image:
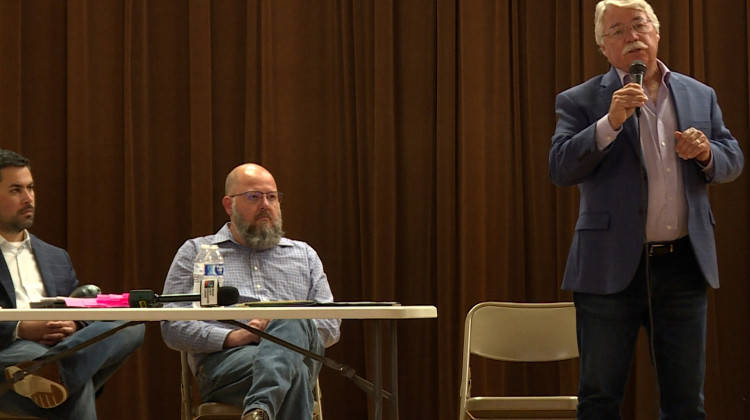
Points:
[(661, 249)]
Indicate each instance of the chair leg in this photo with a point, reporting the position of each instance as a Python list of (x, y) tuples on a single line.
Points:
[(318, 409), (186, 388)]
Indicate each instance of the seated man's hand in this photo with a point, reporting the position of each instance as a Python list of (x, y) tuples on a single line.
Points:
[(242, 337), (48, 333)]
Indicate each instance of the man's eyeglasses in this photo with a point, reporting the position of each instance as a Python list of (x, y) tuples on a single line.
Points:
[(273, 197), (640, 26)]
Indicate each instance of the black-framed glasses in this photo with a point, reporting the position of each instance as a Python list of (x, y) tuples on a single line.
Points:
[(641, 26), (273, 197)]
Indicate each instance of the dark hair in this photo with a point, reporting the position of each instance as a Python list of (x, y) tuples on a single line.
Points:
[(11, 158)]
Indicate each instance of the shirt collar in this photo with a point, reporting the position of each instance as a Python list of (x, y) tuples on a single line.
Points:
[(223, 235), (25, 242)]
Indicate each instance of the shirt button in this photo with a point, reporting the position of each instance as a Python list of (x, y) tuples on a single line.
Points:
[(257, 286), (669, 227), (669, 170), (255, 268)]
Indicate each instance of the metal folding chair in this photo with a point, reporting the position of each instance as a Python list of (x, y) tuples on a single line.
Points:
[(216, 410), (518, 332)]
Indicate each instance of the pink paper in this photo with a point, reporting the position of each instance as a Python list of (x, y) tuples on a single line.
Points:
[(101, 301)]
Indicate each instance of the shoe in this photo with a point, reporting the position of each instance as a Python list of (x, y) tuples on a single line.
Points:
[(44, 387), (256, 414)]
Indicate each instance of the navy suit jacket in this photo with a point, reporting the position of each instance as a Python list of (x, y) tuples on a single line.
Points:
[(58, 277), (609, 233)]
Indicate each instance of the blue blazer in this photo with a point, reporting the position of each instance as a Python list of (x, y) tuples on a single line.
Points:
[(58, 277), (609, 233)]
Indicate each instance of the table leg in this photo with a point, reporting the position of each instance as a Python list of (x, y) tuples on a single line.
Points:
[(394, 371), (377, 397)]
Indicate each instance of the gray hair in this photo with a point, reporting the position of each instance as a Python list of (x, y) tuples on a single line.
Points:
[(602, 6)]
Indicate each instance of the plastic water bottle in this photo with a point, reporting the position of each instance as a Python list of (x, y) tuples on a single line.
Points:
[(198, 270), (213, 276)]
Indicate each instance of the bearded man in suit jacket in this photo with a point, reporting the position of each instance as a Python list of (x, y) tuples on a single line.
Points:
[(643, 249), (29, 270)]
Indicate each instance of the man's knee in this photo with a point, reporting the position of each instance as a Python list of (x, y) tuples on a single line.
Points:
[(134, 335), (300, 332)]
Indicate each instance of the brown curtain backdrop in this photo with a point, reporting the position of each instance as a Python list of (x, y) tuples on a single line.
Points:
[(410, 139)]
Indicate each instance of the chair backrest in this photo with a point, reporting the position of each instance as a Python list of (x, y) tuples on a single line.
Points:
[(522, 332), (518, 332), (216, 410)]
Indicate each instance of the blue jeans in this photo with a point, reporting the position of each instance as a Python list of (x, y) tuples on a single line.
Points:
[(83, 372), (608, 328), (266, 376)]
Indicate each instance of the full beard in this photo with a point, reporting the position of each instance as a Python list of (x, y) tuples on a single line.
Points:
[(18, 223), (259, 237)]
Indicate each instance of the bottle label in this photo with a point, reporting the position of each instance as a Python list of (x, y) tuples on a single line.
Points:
[(214, 270)]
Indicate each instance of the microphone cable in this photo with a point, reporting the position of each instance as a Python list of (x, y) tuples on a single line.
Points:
[(647, 256), (637, 71)]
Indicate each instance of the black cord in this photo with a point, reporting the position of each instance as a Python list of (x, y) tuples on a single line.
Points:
[(343, 370), (646, 251)]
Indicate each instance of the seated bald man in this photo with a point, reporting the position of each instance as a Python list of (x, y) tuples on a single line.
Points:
[(232, 365)]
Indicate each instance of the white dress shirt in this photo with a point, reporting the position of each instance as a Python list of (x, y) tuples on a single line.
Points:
[(27, 281)]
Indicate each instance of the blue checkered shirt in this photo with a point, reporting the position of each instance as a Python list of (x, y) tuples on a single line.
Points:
[(290, 271)]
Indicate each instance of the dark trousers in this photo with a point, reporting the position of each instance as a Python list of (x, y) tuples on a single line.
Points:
[(608, 328)]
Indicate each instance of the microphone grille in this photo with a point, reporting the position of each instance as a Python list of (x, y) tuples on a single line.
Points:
[(637, 67), (228, 295)]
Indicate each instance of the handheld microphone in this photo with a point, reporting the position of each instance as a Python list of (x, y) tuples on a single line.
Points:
[(637, 72), (146, 298)]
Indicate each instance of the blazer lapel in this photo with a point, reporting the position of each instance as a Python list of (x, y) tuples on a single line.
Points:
[(7, 299), (682, 106), (42, 264), (680, 99)]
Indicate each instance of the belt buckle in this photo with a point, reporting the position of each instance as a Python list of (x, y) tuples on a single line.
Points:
[(659, 250)]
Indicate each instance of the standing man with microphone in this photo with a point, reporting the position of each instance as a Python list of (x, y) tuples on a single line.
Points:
[(643, 251)]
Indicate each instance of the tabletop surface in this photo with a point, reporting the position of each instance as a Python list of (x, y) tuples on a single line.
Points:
[(340, 311)]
